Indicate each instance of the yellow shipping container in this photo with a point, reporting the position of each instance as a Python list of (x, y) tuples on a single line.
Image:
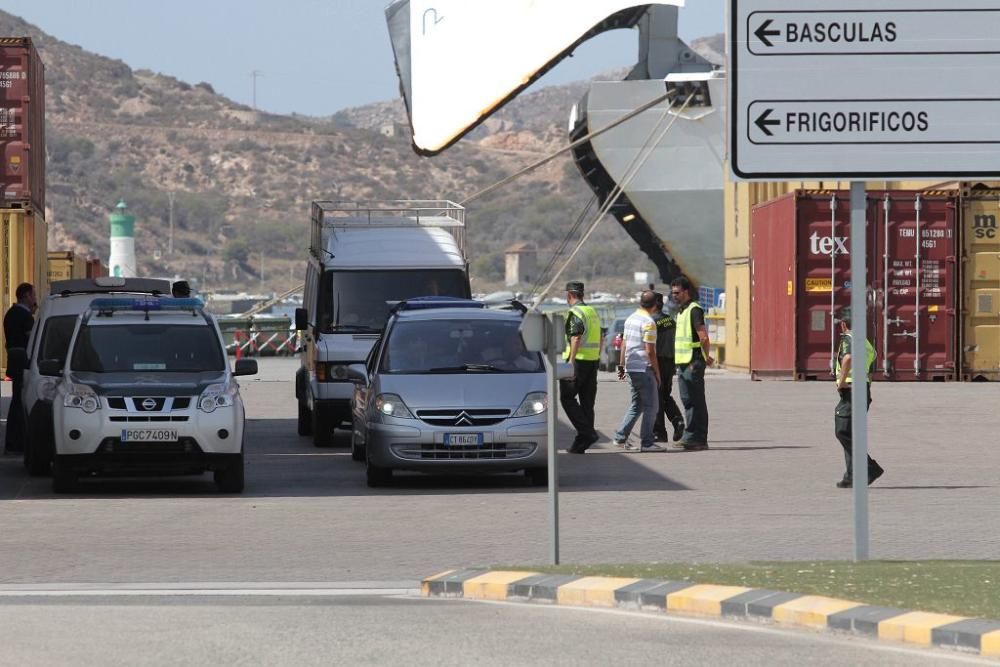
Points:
[(66, 265), (23, 258), (981, 282), (738, 316)]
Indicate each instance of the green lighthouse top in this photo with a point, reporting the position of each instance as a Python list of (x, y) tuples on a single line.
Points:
[(122, 223)]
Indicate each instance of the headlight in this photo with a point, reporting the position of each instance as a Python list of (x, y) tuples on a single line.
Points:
[(331, 372), (83, 397), (533, 404), (391, 405), (217, 396)]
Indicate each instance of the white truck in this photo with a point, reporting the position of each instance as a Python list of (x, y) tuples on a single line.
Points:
[(364, 256)]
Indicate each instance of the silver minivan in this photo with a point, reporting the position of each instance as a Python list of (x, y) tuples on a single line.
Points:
[(450, 388)]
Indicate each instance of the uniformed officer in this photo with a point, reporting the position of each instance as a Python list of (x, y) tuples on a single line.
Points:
[(691, 346), (665, 329), (17, 323), (842, 414), (583, 349)]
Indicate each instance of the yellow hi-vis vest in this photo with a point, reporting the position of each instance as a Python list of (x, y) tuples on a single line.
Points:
[(590, 346), (684, 347), (869, 348)]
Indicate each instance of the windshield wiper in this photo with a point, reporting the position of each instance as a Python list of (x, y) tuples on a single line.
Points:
[(485, 368), (355, 327)]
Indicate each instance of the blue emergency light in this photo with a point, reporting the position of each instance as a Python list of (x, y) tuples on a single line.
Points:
[(429, 302), (144, 304)]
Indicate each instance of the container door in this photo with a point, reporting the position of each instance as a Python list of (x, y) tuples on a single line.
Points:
[(917, 250), (772, 289), (981, 344)]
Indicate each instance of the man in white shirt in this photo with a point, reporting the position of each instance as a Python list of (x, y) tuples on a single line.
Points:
[(638, 363)]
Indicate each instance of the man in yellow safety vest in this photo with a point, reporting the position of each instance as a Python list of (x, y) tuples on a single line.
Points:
[(842, 414), (583, 349), (691, 355)]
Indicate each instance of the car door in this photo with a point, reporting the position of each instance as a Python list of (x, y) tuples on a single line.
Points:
[(360, 401)]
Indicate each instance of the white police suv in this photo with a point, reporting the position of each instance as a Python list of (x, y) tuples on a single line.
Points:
[(146, 389)]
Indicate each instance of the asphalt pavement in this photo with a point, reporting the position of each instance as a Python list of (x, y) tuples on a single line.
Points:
[(341, 627)]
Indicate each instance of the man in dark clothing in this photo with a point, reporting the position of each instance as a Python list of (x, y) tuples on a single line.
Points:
[(17, 325), (583, 349), (665, 329), (842, 413), (691, 354)]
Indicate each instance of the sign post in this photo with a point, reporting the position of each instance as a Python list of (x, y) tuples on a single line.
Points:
[(823, 92)]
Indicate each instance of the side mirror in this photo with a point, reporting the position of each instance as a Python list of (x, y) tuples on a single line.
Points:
[(245, 367), (50, 367), (357, 373), (564, 371), (301, 319)]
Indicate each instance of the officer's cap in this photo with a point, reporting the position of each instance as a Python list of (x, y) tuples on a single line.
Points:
[(574, 286)]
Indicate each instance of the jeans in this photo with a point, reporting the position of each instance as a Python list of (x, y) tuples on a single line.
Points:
[(577, 397), (691, 383), (644, 400)]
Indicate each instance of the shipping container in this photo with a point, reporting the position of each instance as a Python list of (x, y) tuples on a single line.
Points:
[(800, 276), (737, 349), (96, 268), (981, 282), (22, 124), (66, 265), (23, 258)]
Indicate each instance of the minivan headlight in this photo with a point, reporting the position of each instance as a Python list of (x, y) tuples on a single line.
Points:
[(216, 396), (391, 405), (82, 397), (533, 404)]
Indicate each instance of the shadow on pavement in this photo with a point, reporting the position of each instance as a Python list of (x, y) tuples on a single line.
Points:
[(928, 488)]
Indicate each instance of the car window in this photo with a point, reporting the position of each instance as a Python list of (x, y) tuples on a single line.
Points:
[(56, 337), (147, 348), (456, 346)]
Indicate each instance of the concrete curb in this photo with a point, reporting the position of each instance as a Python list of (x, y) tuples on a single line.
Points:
[(980, 637)]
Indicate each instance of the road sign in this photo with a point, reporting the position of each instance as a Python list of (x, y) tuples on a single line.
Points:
[(832, 89)]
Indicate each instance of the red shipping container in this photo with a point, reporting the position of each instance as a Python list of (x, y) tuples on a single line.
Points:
[(800, 275), (22, 124)]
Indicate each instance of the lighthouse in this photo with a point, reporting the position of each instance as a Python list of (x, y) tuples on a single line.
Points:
[(121, 264)]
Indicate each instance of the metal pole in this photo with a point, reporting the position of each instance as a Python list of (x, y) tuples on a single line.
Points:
[(859, 368), (833, 286), (170, 243), (553, 325), (916, 312), (885, 291)]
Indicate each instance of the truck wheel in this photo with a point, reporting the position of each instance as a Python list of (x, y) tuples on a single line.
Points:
[(63, 477), (537, 476), (322, 430), (376, 476), (230, 478), (357, 449), (305, 419)]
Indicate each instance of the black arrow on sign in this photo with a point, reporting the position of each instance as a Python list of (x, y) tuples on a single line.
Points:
[(763, 33), (764, 122)]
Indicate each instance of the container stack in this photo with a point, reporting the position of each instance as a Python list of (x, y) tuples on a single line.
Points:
[(933, 277), (23, 232)]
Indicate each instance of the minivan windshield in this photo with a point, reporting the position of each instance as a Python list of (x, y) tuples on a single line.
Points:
[(156, 348), (458, 346), (357, 301)]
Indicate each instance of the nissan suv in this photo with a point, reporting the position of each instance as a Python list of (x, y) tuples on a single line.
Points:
[(146, 388)]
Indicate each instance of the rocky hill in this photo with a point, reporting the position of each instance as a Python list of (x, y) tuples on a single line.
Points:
[(242, 181)]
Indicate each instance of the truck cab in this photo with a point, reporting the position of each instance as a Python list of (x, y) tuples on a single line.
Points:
[(365, 257)]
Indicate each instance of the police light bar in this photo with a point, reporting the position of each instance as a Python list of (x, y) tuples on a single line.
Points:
[(144, 304)]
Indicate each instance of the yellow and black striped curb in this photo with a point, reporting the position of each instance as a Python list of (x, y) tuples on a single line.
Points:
[(787, 609)]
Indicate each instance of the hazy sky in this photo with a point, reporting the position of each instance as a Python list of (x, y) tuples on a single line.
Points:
[(316, 56)]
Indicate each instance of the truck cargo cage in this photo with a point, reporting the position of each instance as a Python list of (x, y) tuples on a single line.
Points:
[(328, 216)]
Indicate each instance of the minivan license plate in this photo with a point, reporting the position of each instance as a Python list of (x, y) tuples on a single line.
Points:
[(463, 439), (149, 435)]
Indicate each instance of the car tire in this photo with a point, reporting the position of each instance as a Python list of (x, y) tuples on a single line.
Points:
[(64, 479), (37, 459), (357, 449), (231, 478), (376, 476), (537, 476), (305, 419), (322, 430)]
